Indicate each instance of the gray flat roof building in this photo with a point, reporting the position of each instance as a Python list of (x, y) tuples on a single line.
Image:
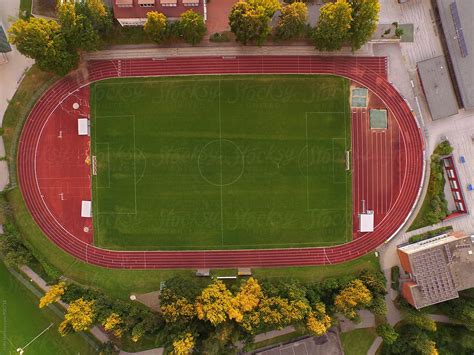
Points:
[(438, 88), (438, 267), (457, 19)]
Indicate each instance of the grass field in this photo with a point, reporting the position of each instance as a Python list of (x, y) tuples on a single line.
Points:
[(358, 341), (221, 162), (22, 321)]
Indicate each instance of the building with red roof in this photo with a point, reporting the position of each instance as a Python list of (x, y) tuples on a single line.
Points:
[(133, 12)]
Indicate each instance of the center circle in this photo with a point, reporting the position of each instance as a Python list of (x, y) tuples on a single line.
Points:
[(221, 162)]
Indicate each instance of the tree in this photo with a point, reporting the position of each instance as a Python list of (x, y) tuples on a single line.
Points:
[(354, 296), (318, 322), (113, 323), (76, 28), (246, 300), (421, 321), (191, 27), (97, 13), (43, 41), (53, 295), (178, 310), (80, 314), (270, 6), (156, 26), (214, 303), (183, 344), (333, 26), (387, 333), (365, 17), (292, 22), (249, 21)]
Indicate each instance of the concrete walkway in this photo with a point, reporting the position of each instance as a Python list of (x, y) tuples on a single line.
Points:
[(274, 334), (159, 52), (367, 320), (375, 346)]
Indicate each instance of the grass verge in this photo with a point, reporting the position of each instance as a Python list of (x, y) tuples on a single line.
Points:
[(358, 341)]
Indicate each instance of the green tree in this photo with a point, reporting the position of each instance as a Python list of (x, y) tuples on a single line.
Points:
[(387, 333), (191, 27), (156, 26), (333, 26), (270, 6), (43, 41), (249, 23), (292, 22), (76, 28), (365, 16), (97, 13)]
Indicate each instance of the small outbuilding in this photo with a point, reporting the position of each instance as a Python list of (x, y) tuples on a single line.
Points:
[(83, 126), (366, 222), (86, 209), (438, 87)]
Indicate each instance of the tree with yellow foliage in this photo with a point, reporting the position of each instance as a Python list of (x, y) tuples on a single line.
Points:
[(178, 310), (246, 300), (354, 296), (53, 295), (183, 344), (112, 324), (80, 314), (214, 303), (317, 321)]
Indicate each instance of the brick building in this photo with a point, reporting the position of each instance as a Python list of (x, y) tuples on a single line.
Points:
[(133, 12)]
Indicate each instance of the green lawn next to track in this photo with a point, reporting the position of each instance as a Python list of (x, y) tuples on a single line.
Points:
[(221, 162), (22, 321)]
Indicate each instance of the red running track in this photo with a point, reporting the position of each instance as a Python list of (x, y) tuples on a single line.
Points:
[(369, 72)]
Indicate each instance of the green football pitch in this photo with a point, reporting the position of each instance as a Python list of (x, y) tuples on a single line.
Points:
[(221, 162)]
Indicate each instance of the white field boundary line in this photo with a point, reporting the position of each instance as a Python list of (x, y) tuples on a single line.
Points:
[(108, 164), (109, 167)]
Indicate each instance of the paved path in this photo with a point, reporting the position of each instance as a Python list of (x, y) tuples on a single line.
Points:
[(274, 334), (375, 345), (159, 52), (367, 320)]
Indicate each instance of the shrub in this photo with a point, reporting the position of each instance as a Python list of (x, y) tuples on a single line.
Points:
[(156, 26), (429, 234), (395, 272), (191, 27), (387, 333)]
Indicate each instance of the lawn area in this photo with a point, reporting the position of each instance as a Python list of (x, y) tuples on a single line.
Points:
[(358, 341), (22, 321), (319, 273), (221, 162)]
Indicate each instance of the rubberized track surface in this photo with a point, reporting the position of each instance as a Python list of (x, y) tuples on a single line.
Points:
[(366, 71)]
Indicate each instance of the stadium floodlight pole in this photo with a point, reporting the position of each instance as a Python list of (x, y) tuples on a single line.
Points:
[(22, 350)]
